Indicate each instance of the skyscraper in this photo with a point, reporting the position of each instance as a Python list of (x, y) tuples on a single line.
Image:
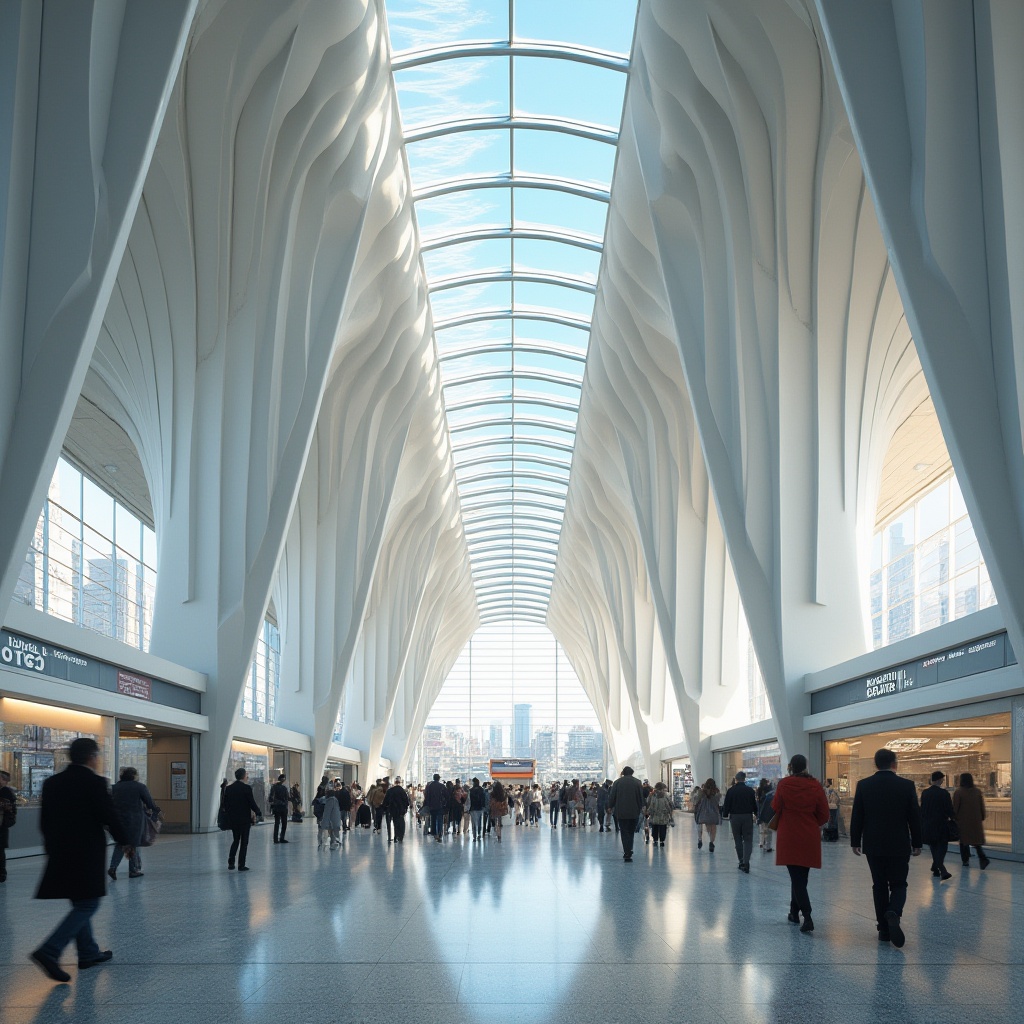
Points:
[(521, 731), (497, 749)]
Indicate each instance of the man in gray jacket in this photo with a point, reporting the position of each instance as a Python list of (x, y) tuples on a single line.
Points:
[(626, 802)]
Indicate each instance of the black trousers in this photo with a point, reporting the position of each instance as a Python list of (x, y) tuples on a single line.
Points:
[(888, 884), (965, 854), (627, 829), (553, 812), (939, 851), (398, 820), (658, 832), (378, 814), (239, 844), (280, 823), (798, 898), (3, 855)]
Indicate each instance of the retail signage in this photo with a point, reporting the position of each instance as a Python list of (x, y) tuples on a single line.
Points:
[(31, 655), (132, 685), (513, 768), (179, 780), (977, 656)]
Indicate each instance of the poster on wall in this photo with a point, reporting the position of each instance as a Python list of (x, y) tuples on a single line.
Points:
[(179, 780)]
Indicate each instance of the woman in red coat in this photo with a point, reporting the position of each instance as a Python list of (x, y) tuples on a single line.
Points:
[(801, 807)]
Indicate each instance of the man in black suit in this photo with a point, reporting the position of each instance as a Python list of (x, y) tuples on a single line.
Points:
[(740, 807), (279, 805), (887, 818), (242, 810), (76, 807)]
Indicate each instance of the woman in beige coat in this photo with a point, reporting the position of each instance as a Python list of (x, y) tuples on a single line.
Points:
[(969, 810)]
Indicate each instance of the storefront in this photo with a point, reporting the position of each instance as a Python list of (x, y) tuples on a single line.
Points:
[(50, 694), (760, 761), (951, 709)]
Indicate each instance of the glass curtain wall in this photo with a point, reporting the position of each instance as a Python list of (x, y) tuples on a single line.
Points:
[(259, 698), (512, 693), (91, 561), (926, 567)]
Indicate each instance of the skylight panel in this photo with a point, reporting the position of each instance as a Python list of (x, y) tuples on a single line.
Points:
[(458, 211), (569, 89), (608, 24), (551, 296), (464, 257), (452, 301), (531, 254), (566, 156), (572, 213), (483, 152), (418, 24)]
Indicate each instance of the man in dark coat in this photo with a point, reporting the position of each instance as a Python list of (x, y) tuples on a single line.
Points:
[(740, 807), (936, 818), (241, 809), (435, 799), (396, 807), (76, 807), (626, 802), (887, 818), (279, 805)]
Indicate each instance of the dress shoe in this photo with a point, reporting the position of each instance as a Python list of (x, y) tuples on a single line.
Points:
[(112, 873), (896, 936), (700, 843), (100, 958), (983, 863), (808, 925), (883, 935), (944, 876), (50, 966), (793, 916), (711, 847), (285, 840), (137, 874), (935, 870), (745, 868), (242, 867), (231, 867)]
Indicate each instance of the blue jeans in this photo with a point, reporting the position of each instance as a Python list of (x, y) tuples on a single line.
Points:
[(437, 822), (77, 925), (477, 816)]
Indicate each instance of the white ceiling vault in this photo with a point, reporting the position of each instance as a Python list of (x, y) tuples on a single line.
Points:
[(510, 113)]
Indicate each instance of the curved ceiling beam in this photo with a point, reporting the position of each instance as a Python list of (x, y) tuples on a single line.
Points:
[(556, 505), (490, 460), (517, 375), (579, 284), (405, 60), (534, 347), (507, 122), (542, 400), (549, 182), (518, 439), (580, 239), (560, 479)]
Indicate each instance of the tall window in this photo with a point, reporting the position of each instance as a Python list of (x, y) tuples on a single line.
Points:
[(259, 699), (91, 561), (926, 567), (512, 693)]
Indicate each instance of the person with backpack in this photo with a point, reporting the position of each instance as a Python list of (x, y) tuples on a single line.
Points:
[(499, 806), (659, 812), (331, 822), (477, 809), (765, 813), (295, 799), (318, 812), (279, 807), (8, 817)]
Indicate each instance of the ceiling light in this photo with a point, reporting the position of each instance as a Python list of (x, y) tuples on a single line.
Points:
[(958, 743), (907, 744), (110, 467), (139, 725)]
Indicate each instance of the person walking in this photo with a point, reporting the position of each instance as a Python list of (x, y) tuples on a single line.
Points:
[(937, 821), (477, 809), (659, 812), (434, 799), (553, 804), (765, 795), (242, 810), (602, 805), (969, 808), (331, 823), (708, 813), (8, 818), (499, 806), (76, 809), (279, 805), (132, 800), (740, 807), (626, 802), (396, 806), (800, 811), (344, 797), (295, 799), (886, 824)]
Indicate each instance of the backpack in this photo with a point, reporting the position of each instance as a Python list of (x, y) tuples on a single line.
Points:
[(318, 807)]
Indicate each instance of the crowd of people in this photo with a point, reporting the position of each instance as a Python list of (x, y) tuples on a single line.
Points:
[(889, 824)]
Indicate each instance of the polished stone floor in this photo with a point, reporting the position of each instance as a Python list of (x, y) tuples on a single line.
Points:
[(546, 927)]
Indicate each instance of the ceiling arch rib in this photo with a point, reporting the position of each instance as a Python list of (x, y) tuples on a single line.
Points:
[(511, 173)]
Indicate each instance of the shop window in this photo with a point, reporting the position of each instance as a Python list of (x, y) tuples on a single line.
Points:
[(980, 746), (91, 561), (926, 567)]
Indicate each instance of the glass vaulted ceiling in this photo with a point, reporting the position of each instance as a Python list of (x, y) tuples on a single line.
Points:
[(510, 110)]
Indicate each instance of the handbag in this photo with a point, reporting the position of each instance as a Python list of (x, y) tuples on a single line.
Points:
[(222, 820), (952, 831), (150, 830), (774, 823)]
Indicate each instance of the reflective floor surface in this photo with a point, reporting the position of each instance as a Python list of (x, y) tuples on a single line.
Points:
[(547, 927)]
